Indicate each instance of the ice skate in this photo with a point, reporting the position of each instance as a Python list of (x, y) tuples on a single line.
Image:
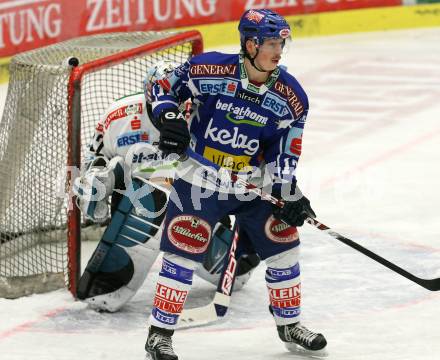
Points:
[(159, 344), (299, 340)]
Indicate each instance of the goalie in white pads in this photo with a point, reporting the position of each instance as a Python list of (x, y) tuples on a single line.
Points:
[(124, 138)]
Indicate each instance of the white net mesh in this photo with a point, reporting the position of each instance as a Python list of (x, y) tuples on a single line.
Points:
[(33, 147)]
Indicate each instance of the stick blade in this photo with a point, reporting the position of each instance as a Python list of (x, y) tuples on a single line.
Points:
[(433, 285), (199, 316), (204, 315)]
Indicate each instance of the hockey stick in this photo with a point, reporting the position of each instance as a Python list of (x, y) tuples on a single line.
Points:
[(218, 307), (429, 284)]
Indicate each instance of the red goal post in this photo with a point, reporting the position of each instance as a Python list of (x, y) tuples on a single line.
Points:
[(51, 106)]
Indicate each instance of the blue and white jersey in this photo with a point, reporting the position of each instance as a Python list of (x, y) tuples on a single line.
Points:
[(235, 123)]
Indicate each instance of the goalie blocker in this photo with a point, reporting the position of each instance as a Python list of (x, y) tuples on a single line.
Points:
[(130, 246)]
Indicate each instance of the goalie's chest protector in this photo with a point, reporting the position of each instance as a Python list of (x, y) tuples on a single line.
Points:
[(127, 123), (235, 118)]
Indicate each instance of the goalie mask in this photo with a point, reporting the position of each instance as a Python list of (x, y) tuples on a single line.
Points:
[(158, 73)]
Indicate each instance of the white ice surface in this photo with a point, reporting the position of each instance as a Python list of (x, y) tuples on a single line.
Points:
[(370, 166)]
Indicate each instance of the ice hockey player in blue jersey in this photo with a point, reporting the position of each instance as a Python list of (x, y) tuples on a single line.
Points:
[(248, 116)]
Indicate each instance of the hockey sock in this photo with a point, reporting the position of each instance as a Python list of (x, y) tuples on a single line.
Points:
[(284, 286), (173, 285)]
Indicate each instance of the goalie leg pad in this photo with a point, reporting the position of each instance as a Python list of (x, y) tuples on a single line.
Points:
[(113, 300), (126, 252), (247, 263), (217, 255)]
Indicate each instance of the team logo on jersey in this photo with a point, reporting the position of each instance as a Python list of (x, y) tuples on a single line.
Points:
[(274, 104), (279, 232), (215, 69), (135, 123), (132, 138), (245, 95), (123, 112), (292, 98), (152, 158), (214, 87), (133, 109), (241, 115), (228, 161), (189, 233), (234, 140)]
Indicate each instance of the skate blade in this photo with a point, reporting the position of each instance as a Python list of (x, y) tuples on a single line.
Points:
[(299, 350)]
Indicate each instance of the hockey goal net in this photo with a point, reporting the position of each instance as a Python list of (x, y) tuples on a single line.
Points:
[(50, 113)]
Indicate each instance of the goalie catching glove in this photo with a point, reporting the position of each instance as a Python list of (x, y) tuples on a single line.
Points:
[(94, 187), (174, 133), (294, 212)]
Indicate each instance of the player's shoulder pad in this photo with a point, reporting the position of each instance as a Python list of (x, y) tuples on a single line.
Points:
[(214, 64), (289, 87), (128, 105)]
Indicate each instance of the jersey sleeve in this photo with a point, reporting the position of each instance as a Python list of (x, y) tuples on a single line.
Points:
[(95, 147), (282, 155), (283, 149)]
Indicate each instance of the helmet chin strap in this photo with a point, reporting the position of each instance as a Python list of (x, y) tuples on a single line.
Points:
[(252, 61)]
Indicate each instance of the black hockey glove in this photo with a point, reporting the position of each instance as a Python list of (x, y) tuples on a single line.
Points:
[(294, 213), (174, 133)]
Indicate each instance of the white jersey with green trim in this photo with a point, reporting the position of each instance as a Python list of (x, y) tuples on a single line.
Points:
[(124, 124)]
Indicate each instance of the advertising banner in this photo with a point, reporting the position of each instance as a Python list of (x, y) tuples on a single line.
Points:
[(29, 24)]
